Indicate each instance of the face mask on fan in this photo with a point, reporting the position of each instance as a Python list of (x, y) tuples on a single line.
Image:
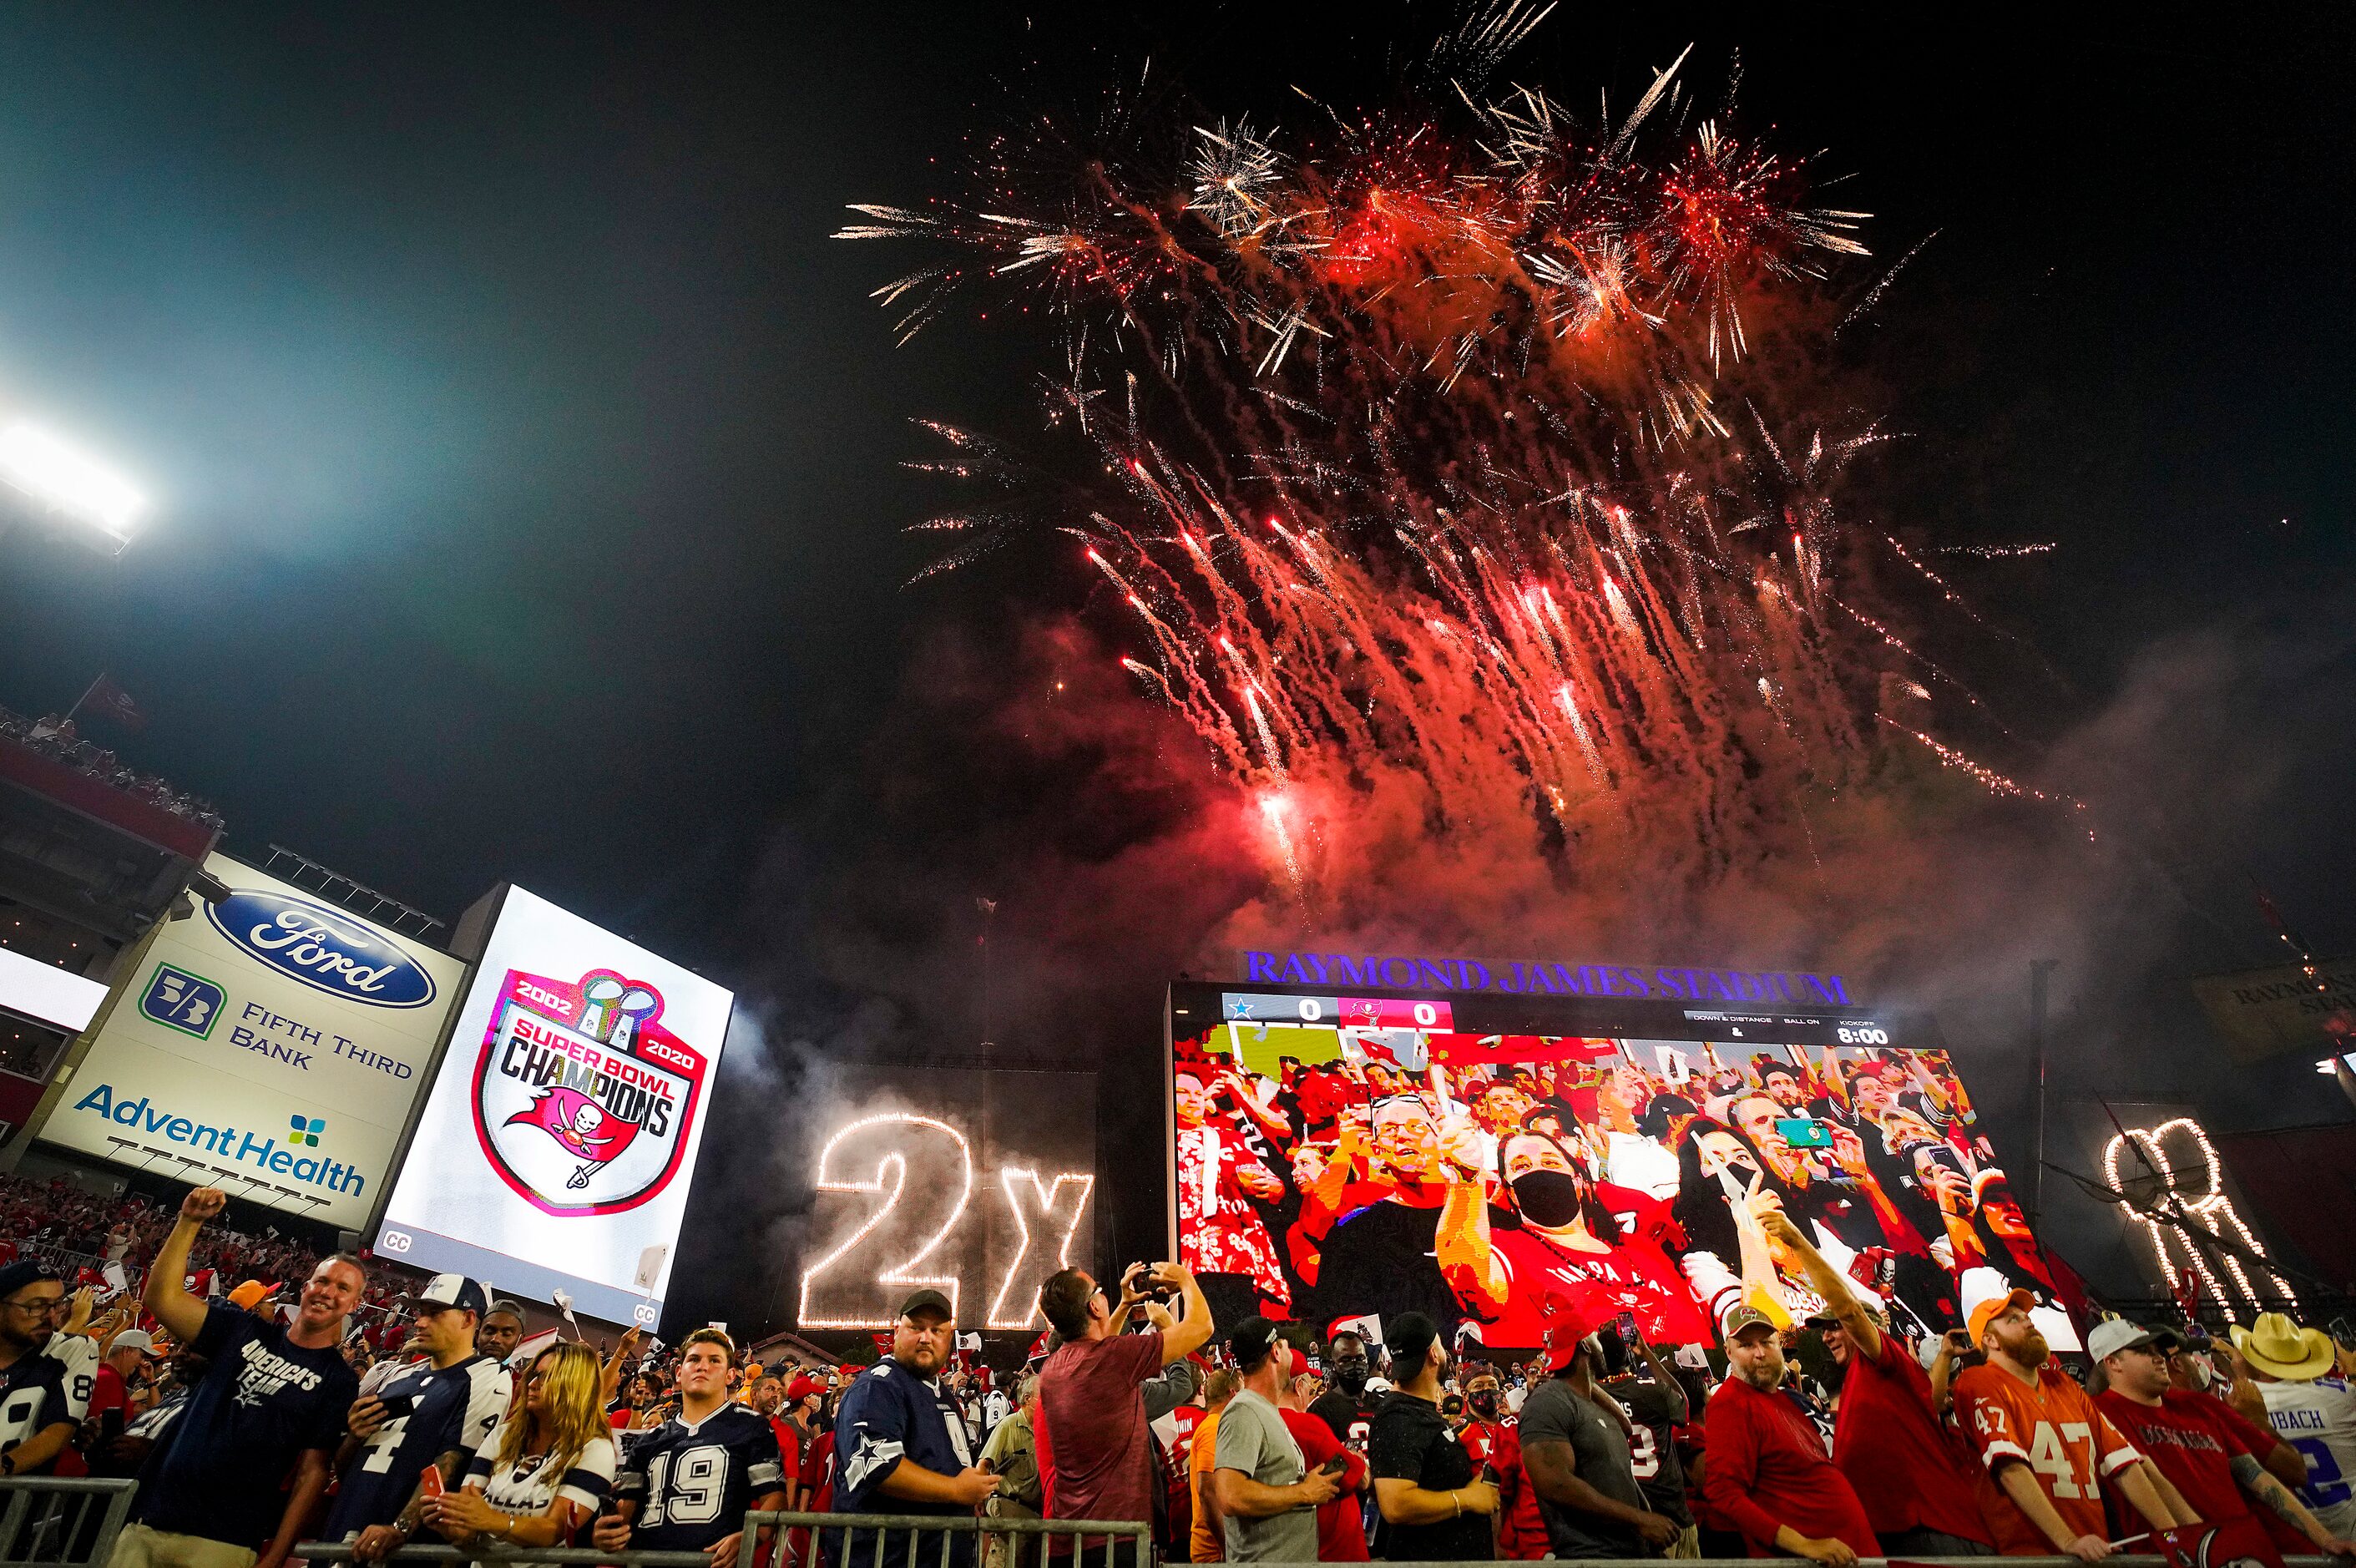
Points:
[(1551, 1198)]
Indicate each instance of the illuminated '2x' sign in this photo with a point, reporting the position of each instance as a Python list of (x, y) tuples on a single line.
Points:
[(865, 1290)]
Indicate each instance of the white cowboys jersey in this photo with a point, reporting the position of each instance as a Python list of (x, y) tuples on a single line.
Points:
[(32, 1399), (694, 1485), (2319, 1419), (78, 1354)]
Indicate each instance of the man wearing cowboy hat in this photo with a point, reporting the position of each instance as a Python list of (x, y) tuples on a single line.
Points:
[(2316, 1413)]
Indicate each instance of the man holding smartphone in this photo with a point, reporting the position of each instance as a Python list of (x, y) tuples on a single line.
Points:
[(1091, 1428), (1914, 1477), (431, 1416)]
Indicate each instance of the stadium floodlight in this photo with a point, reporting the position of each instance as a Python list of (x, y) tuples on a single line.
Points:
[(59, 479)]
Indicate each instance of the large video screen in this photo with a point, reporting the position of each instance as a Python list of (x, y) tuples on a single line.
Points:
[(1504, 1161), (559, 1139), (979, 1184)]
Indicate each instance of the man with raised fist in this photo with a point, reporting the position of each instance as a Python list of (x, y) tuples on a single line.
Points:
[(247, 1469)]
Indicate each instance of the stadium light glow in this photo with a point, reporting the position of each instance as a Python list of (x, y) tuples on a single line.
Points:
[(59, 477)]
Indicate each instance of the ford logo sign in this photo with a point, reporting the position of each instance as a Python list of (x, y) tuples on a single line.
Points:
[(322, 947)]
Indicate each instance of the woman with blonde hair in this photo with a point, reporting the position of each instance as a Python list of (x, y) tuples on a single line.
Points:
[(547, 1469)]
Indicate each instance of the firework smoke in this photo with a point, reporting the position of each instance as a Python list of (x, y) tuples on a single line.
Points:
[(1458, 481)]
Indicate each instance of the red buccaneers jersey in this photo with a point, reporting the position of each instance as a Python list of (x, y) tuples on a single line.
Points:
[(2054, 1429), (1634, 1276)]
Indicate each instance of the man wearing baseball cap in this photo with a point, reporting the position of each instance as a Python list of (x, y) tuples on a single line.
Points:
[(2207, 1454), (1341, 1518), (1576, 1456), (1914, 1480), (903, 1445), (37, 1421), (1765, 1470), (2292, 1366), (1268, 1494), (437, 1413), (796, 1423), (1434, 1506), (2050, 1449), (109, 1387)]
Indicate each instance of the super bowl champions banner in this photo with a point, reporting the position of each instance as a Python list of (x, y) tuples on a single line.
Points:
[(1381, 1158), (271, 1045), (555, 1150)]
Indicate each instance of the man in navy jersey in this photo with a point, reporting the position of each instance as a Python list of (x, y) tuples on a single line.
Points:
[(436, 1413), (37, 1420), (686, 1485), (901, 1448)]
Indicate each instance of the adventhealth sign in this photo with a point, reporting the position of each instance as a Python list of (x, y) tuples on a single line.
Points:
[(272, 1045), (1534, 977), (264, 1153)]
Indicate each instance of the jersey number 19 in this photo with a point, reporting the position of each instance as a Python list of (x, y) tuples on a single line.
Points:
[(686, 1485)]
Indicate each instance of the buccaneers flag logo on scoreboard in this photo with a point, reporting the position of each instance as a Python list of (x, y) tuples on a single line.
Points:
[(583, 1100)]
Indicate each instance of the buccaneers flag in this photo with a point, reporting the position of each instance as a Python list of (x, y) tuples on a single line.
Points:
[(578, 1122)]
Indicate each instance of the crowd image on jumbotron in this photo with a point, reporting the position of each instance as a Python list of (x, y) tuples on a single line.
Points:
[(1380, 1155)]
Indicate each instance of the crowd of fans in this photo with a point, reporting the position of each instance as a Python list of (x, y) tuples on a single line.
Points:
[(107, 1243), (257, 1419), (57, 739)]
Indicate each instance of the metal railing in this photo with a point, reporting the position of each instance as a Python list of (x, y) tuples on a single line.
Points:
[(832, 1540), (825, 1540), (63, 1258), (496, 1551), (578, 1557), (865, 1540), (57, 1520)]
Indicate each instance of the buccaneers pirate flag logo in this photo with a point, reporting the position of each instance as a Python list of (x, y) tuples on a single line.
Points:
[(582, 1101)]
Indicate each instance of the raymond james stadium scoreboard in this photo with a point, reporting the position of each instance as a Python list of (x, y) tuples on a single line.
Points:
[(1497, 1160)]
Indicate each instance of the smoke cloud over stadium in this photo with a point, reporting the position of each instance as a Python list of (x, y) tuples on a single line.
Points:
[(1458, 525)]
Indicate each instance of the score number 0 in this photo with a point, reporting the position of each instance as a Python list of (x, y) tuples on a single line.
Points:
[(872, 1302)]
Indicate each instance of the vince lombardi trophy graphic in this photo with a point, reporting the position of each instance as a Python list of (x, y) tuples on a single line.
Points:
[(611, 1012)]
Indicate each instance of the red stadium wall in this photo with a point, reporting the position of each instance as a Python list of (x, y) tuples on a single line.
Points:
[(2303, 1180)]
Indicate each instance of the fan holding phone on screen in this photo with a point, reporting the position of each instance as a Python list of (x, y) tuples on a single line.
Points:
[(1562, 1239)]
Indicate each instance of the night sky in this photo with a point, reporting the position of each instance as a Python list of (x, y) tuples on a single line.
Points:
[(527, 500)]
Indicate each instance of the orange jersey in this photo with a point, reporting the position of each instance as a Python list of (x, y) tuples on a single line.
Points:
[(2054, 1428)]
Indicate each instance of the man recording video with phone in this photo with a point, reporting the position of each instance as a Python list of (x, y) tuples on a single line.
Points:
[(1095, 1452)]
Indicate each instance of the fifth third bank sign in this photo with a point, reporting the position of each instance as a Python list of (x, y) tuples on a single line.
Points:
[(271, 1044), (558, 1142)]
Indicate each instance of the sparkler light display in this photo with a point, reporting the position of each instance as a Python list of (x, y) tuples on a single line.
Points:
[(1457, 472), (2202, 1198)]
